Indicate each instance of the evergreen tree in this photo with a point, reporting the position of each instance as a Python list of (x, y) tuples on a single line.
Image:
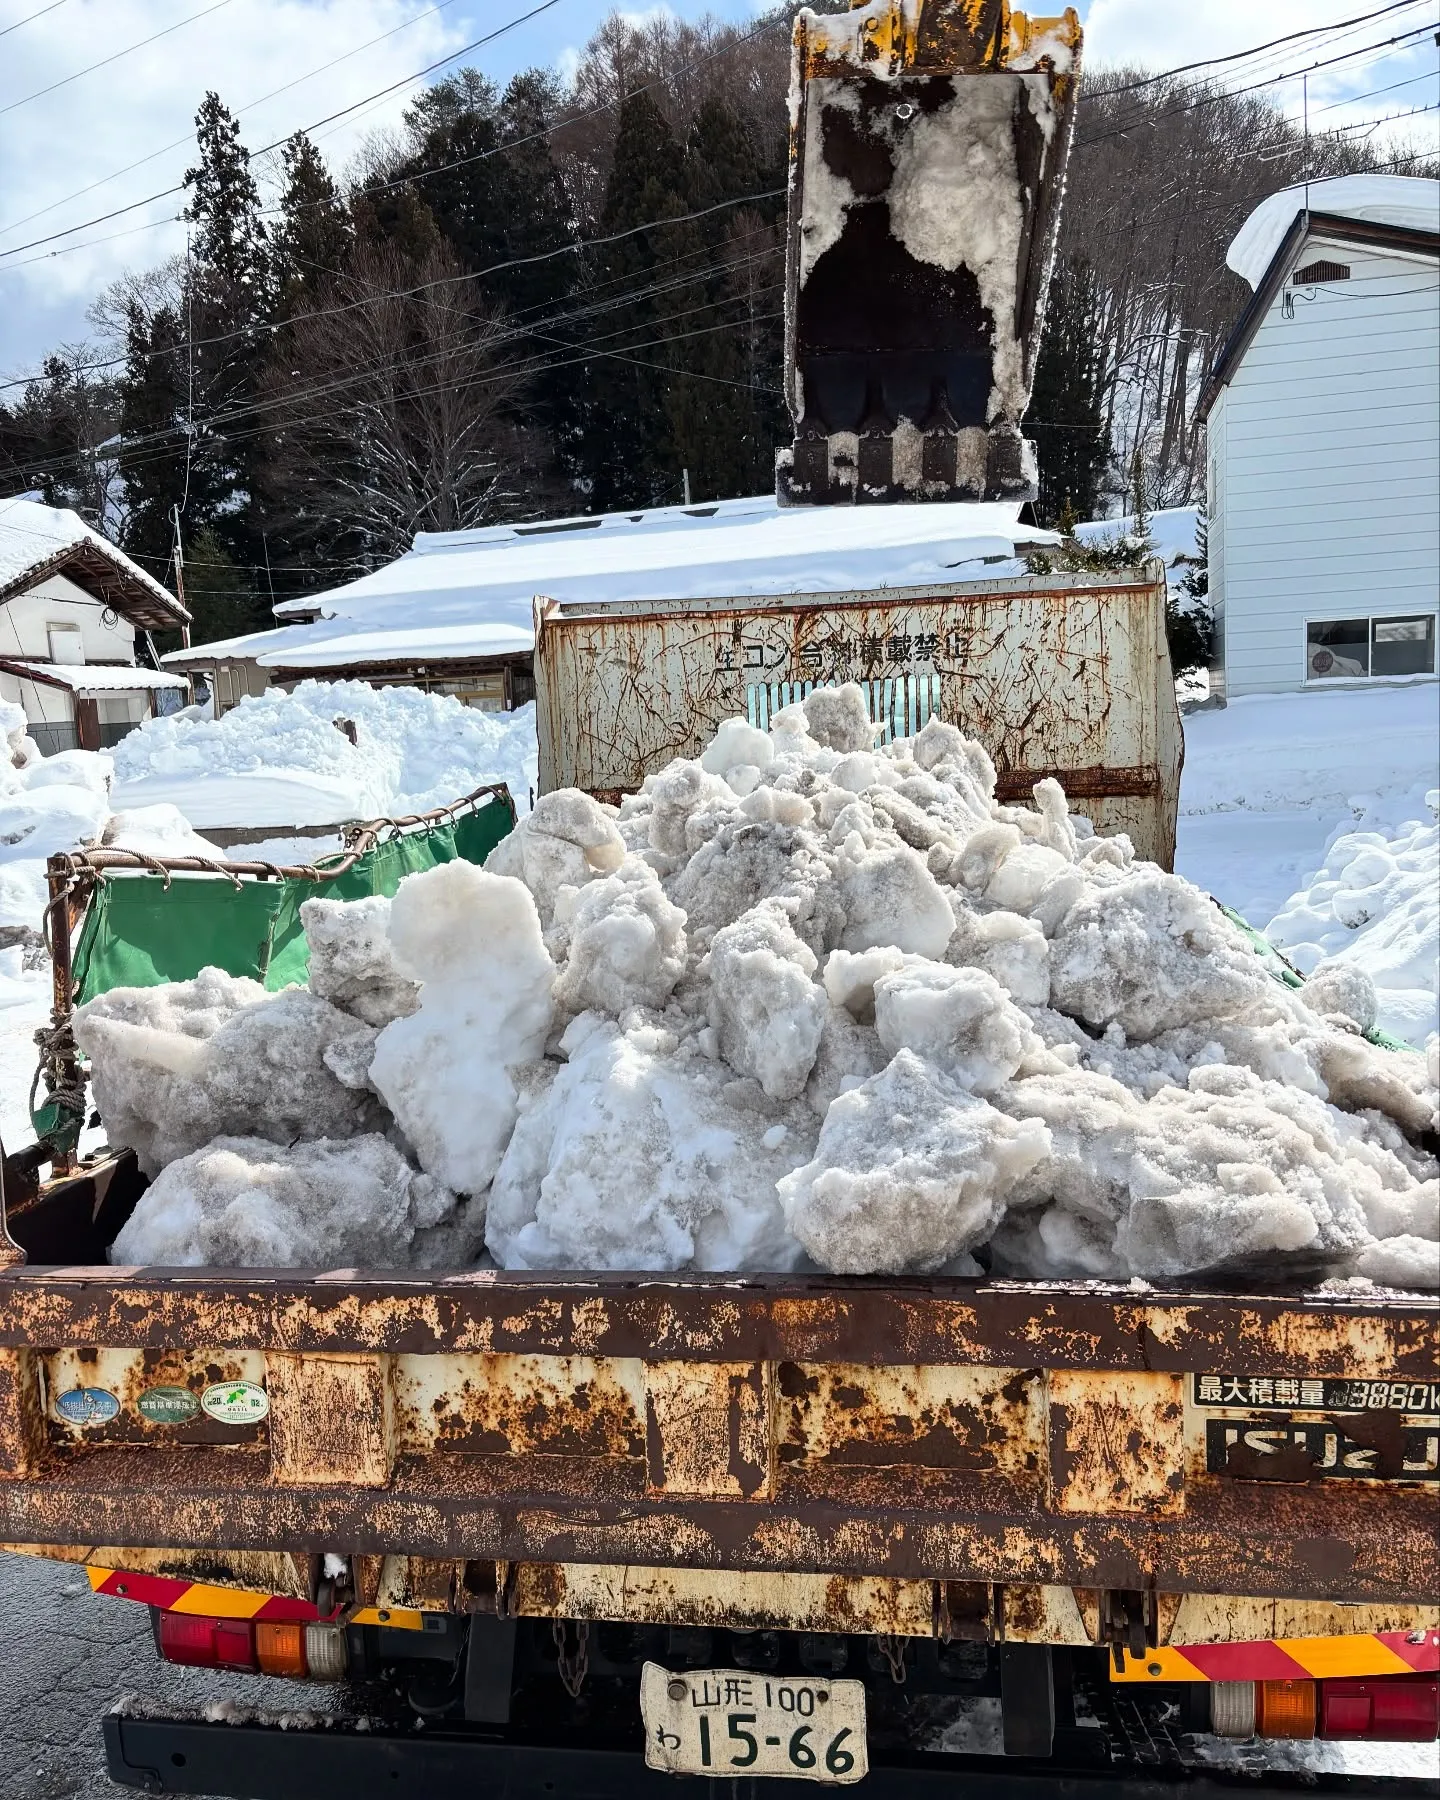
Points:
[(153, 465), (313, 239), (1066, 418), (229, 308), (52, 441), (221, 598), (723, 426), (627, 452)]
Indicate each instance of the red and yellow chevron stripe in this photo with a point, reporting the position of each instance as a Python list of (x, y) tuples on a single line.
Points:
[(1286, 1659), (173, 1595)]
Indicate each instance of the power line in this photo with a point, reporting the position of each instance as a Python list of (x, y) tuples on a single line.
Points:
[(1139, 120), (250, 409), (1355, 99), (30, 18), (166, 193), (249, 106), (1213, 62), (105, 61), (576, 246)]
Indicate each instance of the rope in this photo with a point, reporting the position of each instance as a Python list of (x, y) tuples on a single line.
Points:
[(56, 1044)]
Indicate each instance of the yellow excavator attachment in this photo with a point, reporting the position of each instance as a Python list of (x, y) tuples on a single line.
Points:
[(929, 140)]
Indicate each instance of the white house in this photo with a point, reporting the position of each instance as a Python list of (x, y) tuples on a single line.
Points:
[(71, 606), (1323, 419)]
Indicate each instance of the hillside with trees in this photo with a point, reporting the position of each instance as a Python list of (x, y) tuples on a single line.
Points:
[(556, 298)]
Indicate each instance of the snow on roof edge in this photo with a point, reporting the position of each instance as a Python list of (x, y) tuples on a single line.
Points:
[(1411, 201)]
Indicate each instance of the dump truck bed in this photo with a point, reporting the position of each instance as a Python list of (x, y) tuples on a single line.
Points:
[(1064, 1463)]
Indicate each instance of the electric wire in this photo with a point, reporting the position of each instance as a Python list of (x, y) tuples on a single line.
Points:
[(105, 61)]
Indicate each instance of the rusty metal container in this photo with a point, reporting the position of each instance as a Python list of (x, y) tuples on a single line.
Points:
[(1060, 674)]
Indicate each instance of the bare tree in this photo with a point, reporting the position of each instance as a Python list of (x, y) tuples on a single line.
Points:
[(391, 413)]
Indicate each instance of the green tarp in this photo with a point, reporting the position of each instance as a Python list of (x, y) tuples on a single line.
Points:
[(138, 932)]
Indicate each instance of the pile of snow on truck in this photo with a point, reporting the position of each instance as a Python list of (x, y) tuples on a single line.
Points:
[(802, 1002)]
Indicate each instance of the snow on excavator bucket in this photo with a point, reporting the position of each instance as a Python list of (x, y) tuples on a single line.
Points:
[(927, 153)]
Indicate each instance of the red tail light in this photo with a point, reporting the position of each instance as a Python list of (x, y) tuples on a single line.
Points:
[(317, 1650), (206, 1643), (1396, 1709)]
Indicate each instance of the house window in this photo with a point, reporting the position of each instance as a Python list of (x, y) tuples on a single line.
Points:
[(1344, 649), (119, 715), (1402, 646), (66, 643)]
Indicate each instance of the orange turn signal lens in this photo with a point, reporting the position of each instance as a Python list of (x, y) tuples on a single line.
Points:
[(280, 1648), (1285, 1709)]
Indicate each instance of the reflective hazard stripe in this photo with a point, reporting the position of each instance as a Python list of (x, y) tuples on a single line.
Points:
[(170, 1595), (1288, 1659)]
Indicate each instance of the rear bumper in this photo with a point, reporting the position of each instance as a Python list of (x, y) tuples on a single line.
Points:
[(265, 1762)]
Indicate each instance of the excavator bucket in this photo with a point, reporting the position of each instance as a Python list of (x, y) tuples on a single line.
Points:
[(927, 163)]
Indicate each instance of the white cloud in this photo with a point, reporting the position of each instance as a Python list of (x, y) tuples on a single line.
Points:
[(91, 127)]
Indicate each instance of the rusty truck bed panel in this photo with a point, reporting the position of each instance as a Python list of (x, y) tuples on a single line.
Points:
[(1057, 675), (1037, 1435)]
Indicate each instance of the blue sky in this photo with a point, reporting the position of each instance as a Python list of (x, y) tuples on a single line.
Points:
[(283, 64)]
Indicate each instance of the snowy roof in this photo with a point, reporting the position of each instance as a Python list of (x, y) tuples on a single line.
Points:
[(1409, 201), (37, 540), (472, 593), (1172, 531), (94, 678)]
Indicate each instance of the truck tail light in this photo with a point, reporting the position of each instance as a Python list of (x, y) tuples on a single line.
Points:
[(326, 1652), (201, 1642), (280, 1648), (265, 1646), (1395, 1709), (1285, 1709)]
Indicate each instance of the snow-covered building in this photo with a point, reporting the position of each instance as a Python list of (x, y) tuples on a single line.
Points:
[(455, 614), (1323, 419), (72, 607)]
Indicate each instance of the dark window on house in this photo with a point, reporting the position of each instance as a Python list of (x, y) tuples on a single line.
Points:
[(1403, 647), (1320, 271), (1337, 649), (1342, 649)]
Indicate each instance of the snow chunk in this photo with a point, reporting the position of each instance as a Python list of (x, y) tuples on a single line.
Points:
[(839, 718), (627, 944), (632, 1156), (563, 842), (352, 962), (736, 745), (911, 1169), (962, 1020), (765, 1007), (245, 1203), (474, 940), (176, 1066), (1402, 1262), (1150, 953), (890, 897)]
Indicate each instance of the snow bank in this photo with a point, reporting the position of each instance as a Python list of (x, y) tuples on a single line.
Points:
[(803, 1002), (1314, 812), (281, 759), (1373, 911)]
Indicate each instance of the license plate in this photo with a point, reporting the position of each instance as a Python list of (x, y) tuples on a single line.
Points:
[(733, 1722)]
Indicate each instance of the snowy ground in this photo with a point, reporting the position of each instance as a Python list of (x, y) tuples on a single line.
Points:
[(1273, 781)]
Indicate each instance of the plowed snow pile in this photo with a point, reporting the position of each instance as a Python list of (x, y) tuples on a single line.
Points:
[(804, 1002)]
